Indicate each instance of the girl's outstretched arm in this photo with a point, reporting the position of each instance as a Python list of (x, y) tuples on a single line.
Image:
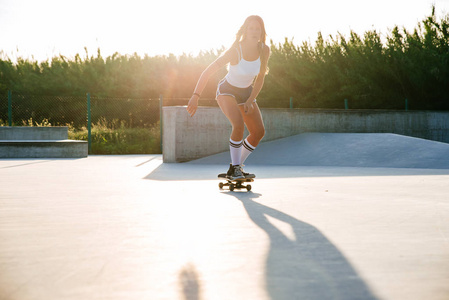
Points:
[(204, 78)]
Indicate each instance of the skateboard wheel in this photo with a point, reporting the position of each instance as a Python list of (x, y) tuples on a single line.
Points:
[(248, 187), (231, 187), (220, 185)]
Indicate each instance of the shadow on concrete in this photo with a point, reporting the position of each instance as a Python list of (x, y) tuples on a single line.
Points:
[(20, 162), (306, 265), (189, 283), (147, 161)]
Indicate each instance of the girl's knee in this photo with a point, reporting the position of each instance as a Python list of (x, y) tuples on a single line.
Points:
[(256, 136), (262, 132), (238, 127), (259, 134)]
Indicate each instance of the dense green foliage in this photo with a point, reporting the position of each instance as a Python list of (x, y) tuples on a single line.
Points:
[(115, 76), (365, 70), (372, 71)]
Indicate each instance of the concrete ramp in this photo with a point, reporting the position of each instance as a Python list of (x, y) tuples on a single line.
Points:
[(375, 150)]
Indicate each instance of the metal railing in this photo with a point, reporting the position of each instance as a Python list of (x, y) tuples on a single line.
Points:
[(79, 112), (85, 112)]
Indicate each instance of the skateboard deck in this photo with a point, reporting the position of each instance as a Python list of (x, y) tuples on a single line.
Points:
[(234, 183)]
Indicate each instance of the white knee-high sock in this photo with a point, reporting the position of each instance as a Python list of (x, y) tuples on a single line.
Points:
[(236, 151), (247, 149)]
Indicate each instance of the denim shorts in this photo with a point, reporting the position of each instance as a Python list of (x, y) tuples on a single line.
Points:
[(240, 94)]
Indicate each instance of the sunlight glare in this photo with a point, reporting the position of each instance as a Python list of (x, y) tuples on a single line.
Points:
[(47, 28)]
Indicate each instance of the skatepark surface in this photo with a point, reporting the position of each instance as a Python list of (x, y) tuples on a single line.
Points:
[(330, 216)]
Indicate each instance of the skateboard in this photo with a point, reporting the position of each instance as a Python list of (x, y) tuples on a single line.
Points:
[(234, 184)]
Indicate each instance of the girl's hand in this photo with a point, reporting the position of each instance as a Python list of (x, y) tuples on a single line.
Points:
[(248, 106), (192, 105)]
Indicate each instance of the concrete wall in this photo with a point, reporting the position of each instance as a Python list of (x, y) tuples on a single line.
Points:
[(33, 133), (207, 133), (43, 149), (39, 142)]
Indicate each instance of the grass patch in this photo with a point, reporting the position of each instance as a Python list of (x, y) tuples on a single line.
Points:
[(111, 137), (114, 138)]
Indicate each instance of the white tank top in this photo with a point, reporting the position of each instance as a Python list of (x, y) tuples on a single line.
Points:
[(242, 74)]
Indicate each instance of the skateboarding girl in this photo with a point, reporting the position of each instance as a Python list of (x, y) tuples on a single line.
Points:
[(237, 91)]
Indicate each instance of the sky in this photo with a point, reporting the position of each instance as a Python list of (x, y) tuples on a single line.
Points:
[(40, 30)]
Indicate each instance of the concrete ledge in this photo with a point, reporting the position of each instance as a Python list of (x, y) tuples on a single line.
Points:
[(185, 138), (43, 149), (33, 133), (207, 133)]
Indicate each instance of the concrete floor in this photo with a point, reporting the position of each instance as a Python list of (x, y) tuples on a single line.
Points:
[(130, 227)]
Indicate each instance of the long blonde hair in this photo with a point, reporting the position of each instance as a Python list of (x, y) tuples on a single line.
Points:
[(242, 30), (263, 35)]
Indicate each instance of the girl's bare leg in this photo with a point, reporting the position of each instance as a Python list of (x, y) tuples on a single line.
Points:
[(254, 123), (229, 106)]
